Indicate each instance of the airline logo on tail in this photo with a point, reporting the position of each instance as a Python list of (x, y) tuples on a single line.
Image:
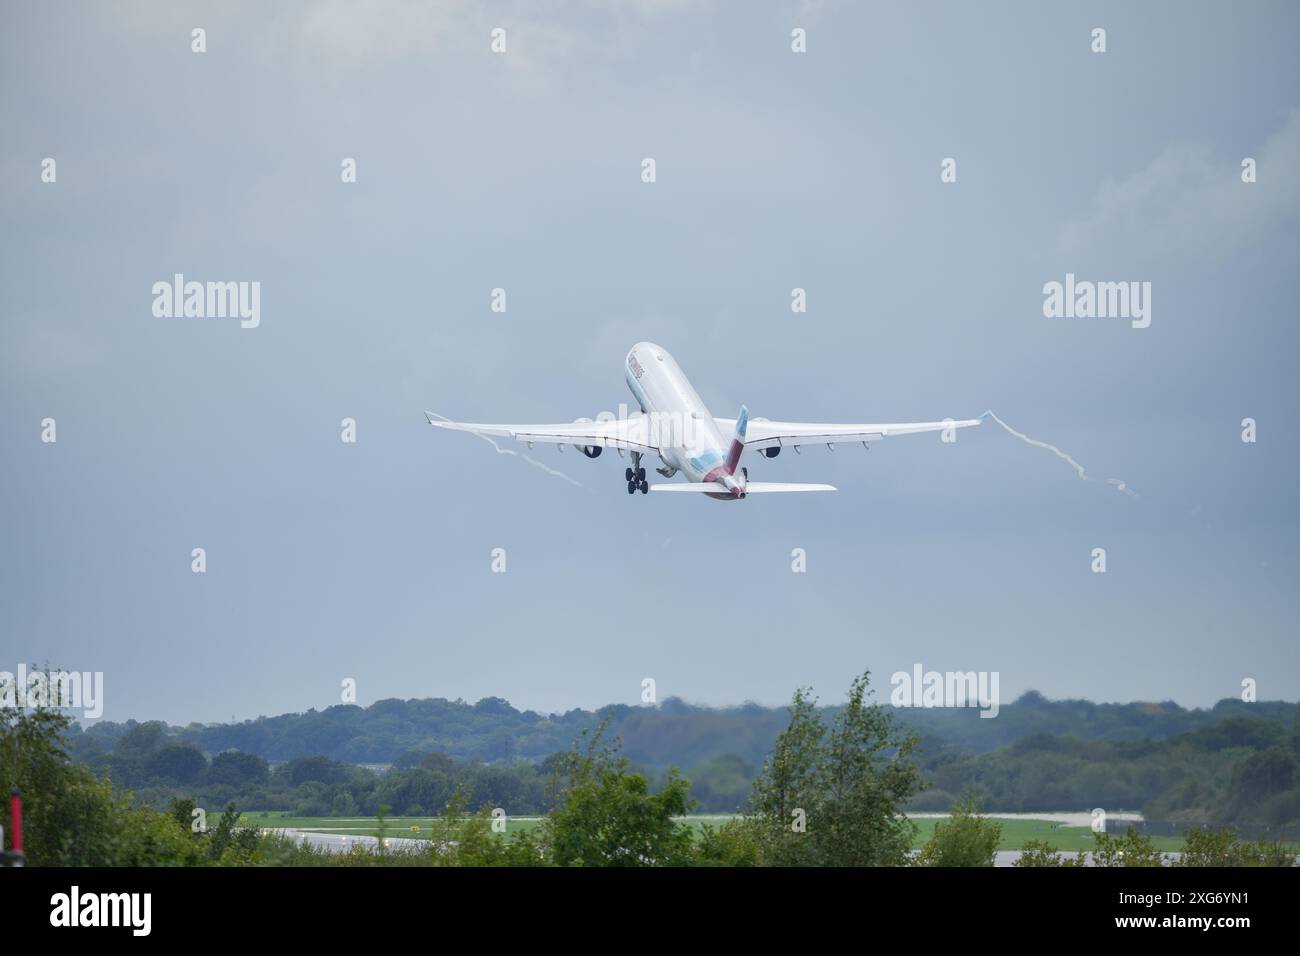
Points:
[(738, 442)]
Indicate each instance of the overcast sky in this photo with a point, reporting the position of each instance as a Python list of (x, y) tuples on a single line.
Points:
[(522, 171)]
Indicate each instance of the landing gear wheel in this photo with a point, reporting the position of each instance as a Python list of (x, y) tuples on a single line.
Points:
[(635, 475), (645, 486)]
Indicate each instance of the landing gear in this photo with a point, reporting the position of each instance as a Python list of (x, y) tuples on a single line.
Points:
[(635, 476)]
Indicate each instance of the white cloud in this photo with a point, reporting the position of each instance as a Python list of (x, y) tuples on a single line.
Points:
[(540, 40), (355, 33), (1188, 202)]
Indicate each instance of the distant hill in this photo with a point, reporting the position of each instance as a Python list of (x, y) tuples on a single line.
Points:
[(1232, 763), (673, 733)]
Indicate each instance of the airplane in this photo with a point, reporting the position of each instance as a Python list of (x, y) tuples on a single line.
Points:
[(675, 425)]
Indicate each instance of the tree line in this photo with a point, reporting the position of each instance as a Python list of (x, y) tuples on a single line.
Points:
[(1240, 767), (832, 791)]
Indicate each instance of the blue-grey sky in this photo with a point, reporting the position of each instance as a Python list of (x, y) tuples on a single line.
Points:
[(522, 171)]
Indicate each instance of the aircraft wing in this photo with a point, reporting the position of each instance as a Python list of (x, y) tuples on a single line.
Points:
[(768, 434), (632, 432)]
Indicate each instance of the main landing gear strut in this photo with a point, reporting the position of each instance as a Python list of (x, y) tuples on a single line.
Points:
[(635, 476)]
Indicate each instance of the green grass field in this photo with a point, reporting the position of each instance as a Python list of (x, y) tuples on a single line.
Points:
[(1014, 831)]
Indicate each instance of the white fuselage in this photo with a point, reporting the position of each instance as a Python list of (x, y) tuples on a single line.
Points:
[(688, 437)]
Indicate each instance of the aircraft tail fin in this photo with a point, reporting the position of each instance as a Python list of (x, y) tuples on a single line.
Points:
[(737, 441)]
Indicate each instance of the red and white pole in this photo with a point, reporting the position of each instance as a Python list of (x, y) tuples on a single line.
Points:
[(16, 825)]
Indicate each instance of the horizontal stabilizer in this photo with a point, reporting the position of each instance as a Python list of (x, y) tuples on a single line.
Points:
[(708, 487), (752, 488), (761, 487)]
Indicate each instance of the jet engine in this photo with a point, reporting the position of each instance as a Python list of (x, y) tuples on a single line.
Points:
[(591, 451)]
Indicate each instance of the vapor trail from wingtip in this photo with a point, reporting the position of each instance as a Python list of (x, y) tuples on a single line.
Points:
[(1083, 475), (510, 451)]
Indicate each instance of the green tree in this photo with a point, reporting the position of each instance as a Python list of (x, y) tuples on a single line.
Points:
[(1132, 849), (605, 815), (238, 769), (230, 844), (177, 763), (735, 843), (1209, 847), (464, 839), (1258, 782), (964, 839), (1041, 853), (789, 787), (835, 796), (142, 739), (63, 806), (722, 782), (70, 817), (302, 770)]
